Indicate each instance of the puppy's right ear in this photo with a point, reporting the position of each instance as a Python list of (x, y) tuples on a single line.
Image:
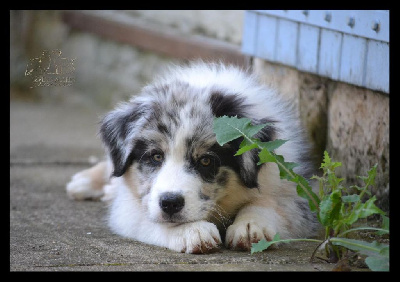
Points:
[(117, 130)]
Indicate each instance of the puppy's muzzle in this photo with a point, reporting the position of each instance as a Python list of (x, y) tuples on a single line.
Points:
[(171, 203)]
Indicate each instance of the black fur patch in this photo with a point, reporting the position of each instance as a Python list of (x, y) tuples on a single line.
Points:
[(226, 105), (143, 156), (114, 129), (161, 127), (268, 133)]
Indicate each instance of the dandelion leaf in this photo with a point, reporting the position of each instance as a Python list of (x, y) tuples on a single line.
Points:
[(230, 128)]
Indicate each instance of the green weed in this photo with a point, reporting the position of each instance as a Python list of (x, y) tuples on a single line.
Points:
[(338, 208)]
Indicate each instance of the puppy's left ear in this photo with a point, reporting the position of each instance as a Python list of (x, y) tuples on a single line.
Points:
[(117, 129)]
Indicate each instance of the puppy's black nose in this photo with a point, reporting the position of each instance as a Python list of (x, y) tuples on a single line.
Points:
[(171, 203)]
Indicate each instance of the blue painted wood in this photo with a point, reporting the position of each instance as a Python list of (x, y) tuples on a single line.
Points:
[(377, 68), (307, 50), (266, 38), (313, 42), (353, 59), (330, 53), (285, 51), (249, 37), (363, 20)]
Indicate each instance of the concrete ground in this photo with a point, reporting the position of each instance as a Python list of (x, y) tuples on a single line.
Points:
[(51, 140)]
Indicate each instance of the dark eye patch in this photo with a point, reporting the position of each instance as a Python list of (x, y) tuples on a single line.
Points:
[(226, 156), (146, 157), (152, 158), (157, 158), (205, 161), (208, 164)]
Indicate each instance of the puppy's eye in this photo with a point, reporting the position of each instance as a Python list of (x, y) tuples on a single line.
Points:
[(157, 158), (205, 161)]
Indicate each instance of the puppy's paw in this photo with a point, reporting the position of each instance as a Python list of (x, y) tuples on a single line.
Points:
[(81, 188), (196, 238), (240, 235)]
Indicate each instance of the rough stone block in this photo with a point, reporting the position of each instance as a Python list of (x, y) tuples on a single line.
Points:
[(358, 135), (313, 104), (281, 78)]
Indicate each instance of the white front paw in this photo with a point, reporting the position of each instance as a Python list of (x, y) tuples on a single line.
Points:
[(196, 238), (240, 235)]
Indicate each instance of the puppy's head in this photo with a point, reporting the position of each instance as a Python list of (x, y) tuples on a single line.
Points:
[(162, 143)]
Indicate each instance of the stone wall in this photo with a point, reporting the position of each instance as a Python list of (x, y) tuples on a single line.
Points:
[(350, 122), (358, 134)]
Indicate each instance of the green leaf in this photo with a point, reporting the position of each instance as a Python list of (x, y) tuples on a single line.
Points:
[(263, 244), (385, 225), (362, 210), (272, 145), (351, 198), (329, 208), (305, 191), (230, 128), (370, 179), (379, 231), (265, 157), (224, 131), (384, 251), (368, 208), (286, 168), (328, 164), (378, 263), (334, 181), (365, 248), (378, 254), (350, 218), (245, 149)]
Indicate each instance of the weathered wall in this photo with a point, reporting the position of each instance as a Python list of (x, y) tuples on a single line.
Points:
[(358, 134)]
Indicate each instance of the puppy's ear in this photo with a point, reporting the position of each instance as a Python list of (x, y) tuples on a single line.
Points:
[(117, 129), (223, 104)]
